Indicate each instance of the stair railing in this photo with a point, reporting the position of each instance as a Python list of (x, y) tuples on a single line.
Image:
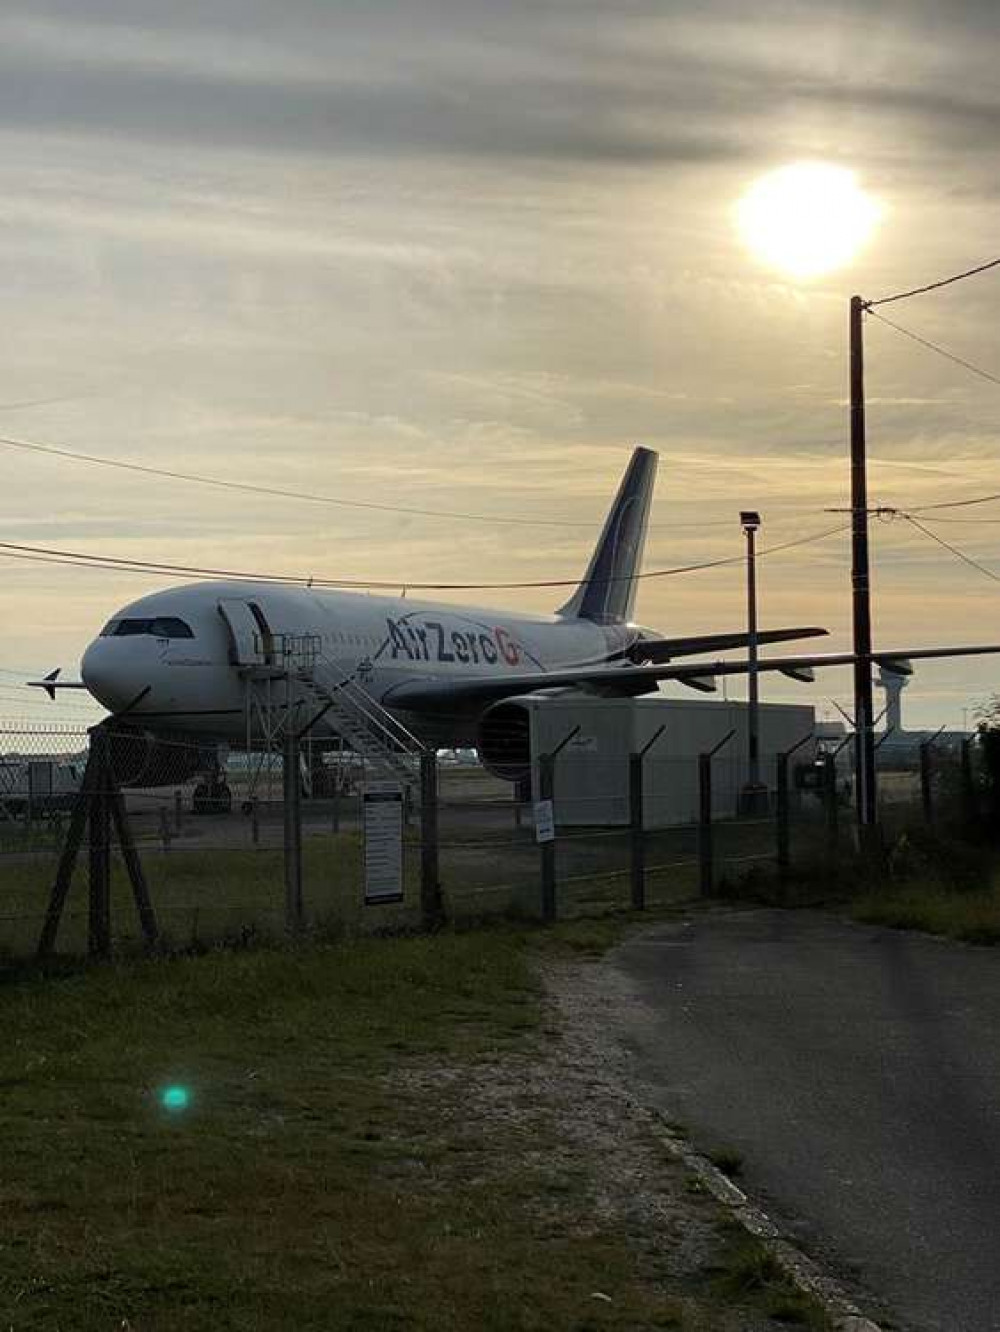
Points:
[(381, 723)]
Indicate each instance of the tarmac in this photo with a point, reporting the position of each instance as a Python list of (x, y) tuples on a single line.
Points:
[(856, 1072)]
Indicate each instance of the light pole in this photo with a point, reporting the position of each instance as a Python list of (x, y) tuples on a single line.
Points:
[(866, 796), (754, 794)]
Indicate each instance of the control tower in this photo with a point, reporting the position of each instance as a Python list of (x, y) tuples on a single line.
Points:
[(893, 683)]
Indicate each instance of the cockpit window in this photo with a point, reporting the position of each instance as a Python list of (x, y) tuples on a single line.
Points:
[(160, 626)]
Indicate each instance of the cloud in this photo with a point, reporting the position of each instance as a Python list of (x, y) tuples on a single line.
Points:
[(462, 254), (545, 81), (344, 91)]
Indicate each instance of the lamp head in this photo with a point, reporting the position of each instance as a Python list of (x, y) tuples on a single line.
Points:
[(749, 520)]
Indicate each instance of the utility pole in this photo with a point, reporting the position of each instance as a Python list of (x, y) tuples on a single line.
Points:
[(864, 766)]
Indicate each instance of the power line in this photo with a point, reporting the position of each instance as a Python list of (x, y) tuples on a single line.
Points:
[(941, 351), (219, 483), (959, 504), (120, 564), (273, 491), (933, 286), (964, 522), (959, 554), (25, 403), (977, 370)]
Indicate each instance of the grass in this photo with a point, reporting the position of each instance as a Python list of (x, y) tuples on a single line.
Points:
[(937, 884), (971, 917), (926, 880), (727, 1160), (309, 1184), (206, 895), (750, 1273)]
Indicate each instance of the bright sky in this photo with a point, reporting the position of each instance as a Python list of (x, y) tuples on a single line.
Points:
[(463, 254)]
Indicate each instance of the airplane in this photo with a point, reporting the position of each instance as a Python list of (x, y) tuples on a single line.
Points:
[(172, 666)]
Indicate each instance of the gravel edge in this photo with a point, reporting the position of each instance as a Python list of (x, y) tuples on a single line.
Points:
[(588, 999)]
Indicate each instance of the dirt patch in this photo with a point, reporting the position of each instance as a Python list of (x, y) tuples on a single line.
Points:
[(555, 1122)]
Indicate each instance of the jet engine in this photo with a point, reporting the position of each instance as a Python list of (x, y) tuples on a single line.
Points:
[(140, 758), (504, 739)]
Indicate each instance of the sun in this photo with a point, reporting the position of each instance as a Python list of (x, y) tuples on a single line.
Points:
[(807, 219)]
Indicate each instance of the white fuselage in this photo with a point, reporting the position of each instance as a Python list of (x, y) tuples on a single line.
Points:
[(191, 649)]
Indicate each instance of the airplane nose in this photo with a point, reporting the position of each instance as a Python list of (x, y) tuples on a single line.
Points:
[(109, 675)]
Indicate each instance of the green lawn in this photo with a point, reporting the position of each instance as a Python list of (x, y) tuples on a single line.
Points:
[(311, 1183)]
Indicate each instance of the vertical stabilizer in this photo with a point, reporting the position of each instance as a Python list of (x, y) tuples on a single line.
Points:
[(607, 593)]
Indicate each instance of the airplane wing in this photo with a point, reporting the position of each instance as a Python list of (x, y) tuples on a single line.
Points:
[(653, 650), (628, 681)]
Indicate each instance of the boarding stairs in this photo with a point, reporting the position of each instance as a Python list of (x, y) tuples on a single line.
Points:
[(391, 752), (291, 683)]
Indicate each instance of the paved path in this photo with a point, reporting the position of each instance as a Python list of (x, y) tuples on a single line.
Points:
[(857, 1070)]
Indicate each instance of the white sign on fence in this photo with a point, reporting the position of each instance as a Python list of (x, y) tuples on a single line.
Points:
[(545, 821), (382, 822)]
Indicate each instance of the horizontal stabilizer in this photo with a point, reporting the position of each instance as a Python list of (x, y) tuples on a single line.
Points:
[(801, 674), (51, 683), (703, 684), (654, 650)]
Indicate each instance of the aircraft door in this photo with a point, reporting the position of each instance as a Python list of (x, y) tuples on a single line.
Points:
[(250, 639)]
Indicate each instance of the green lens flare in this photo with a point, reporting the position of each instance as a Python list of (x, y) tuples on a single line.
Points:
[(175, 1098)]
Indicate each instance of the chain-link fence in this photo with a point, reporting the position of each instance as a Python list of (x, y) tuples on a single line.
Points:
[(294, 841)]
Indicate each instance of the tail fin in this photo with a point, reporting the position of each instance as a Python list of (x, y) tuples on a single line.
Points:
[(607, 593)]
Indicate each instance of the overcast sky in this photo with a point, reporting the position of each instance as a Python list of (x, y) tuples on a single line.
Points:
[(462, 255)]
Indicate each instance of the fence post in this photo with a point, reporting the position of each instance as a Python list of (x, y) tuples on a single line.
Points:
[(291, 790), (546, 791), (638, 839), (431, 905), (705, 848), (178, 811), (783, 804), (926, 788), (830, 804), (637, 819), (166, 831), (781, 815), (255, 820), (970, 811), (99, 915)]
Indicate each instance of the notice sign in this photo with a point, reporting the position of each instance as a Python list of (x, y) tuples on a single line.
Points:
[(545, 821), (382, 822)]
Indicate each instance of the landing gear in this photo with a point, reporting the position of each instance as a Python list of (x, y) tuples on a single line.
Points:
[(212, 795)]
